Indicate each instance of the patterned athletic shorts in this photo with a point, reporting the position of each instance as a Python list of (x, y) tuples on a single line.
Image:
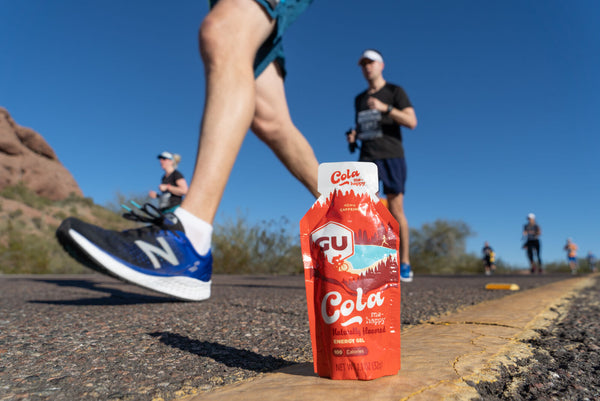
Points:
[(285, 12)]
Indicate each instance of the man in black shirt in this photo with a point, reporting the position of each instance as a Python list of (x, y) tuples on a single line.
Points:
[(380, 112), (532, 232)]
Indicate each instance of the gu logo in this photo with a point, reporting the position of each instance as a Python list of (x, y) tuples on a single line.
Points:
[(336, 241)]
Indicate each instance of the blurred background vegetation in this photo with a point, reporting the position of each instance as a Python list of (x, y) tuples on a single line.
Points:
[(28, 244)]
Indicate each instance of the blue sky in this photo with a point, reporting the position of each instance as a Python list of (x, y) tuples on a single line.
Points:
[(507, 96)]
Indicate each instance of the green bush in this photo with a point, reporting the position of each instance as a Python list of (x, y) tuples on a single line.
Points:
[(439, 248), (557, 267), (28, 253), (21, 193), (30, 246), (15, 214), (584, 265), (60, 215), (265, 248), (124, 199), (503, 267), (37, 222)]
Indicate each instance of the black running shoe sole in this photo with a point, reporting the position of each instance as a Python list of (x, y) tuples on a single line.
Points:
[(77, 253)]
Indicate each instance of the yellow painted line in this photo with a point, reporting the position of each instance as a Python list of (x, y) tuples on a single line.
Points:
[(502, 286)]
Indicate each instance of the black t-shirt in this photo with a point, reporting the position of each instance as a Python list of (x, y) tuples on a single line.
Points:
[(487, 252), (532, 231), (381, 136), (167, 199)]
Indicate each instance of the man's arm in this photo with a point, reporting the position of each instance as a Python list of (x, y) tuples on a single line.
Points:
[(405, 117)]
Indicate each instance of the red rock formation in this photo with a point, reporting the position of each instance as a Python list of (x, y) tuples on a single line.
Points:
[(26, 157)]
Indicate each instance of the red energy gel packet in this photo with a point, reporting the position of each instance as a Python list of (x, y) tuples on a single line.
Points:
[(350, 251)]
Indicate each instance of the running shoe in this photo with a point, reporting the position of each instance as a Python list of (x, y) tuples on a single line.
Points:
[(157, 256), (406, 273)]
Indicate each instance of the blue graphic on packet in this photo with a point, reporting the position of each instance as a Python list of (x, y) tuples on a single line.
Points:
[(367, 256)]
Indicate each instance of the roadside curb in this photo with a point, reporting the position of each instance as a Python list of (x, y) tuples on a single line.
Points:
[(438, 357)]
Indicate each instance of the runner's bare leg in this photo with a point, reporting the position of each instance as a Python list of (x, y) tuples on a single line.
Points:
[(273, 124), (229, 37), (396, 204)]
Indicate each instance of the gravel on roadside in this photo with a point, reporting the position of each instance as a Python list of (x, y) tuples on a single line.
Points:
[(565, 364)]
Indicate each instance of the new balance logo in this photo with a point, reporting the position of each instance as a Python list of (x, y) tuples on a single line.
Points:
[(152, 251)]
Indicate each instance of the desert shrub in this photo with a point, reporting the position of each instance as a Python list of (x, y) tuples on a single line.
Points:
[(267, 247), (109, 219), (89, 202), (439, 248), (585, 266), (60, 215), (21, 253), (26, 252), (124, 199), (556, 267), (74, 199), (21, 193), (37, 222), (15, 213), (503, 267)]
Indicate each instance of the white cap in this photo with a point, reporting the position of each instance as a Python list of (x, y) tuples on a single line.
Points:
[(531, 216), (166, 155), (371, 54)]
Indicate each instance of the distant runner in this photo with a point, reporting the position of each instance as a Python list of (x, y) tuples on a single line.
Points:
[(571, 249), (591, 258), (532, 232), (172, 185), (489, 258)]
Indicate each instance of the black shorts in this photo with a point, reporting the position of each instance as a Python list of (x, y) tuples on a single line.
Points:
[(392, 173)]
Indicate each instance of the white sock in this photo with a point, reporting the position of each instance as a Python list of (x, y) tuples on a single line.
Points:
[(198, 231)]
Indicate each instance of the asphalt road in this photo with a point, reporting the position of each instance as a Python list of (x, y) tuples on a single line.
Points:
[(93, 337)]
